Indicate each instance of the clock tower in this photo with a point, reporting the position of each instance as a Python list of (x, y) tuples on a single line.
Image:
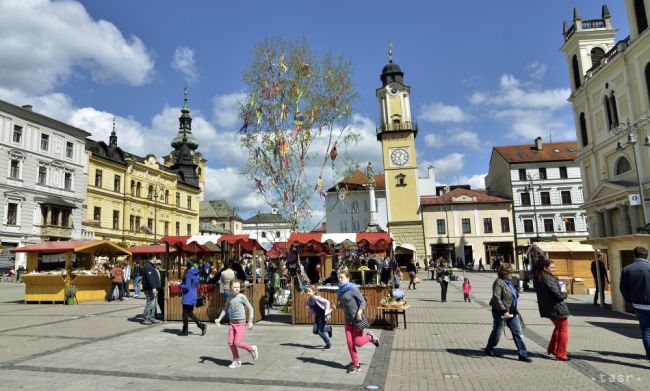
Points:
[(396, 132)]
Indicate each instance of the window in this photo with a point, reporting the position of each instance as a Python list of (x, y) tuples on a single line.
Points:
[(67, 181), (18, 134), (97, 213), (166, 196), (545, 197), (166, 228), (150, 224), (150, 194), (576, 72), (138, 187), (442, 229), (14, 172), (528, 226), (65, 218), (647, 78), (277, 234), (45, 142), (137, 223), (365, 205), (525, 199), (623, 166), (542, 173), (98, 178), (44, 211), (583, 130), (12, 213), (178, 199), (117, 183), (611, 113), (640, 15), (131, 223), (487, 225), (263, 235), (69, 150), (467, 228), (563, 173), (548, 225), (522, 174), (566, 197), (178, 228), (42, 175), (55, 216), (505, 224), (355, 206), (597, 54), (569, 224), (401, 180), (132, 188), (189, 202), (116, 219), (189, 229)]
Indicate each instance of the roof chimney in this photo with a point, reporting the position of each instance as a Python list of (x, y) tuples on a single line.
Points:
[(538, 144), (28, 107)]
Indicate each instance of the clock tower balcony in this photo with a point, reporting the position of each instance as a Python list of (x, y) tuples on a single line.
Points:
[(397, 127)]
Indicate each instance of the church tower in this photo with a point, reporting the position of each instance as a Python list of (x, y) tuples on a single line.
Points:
[(396, 132)]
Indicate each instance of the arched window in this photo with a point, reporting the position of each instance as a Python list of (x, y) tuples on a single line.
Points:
[(137, 189), (583, 130), (150, 192), (640, 15), (608, 113), (132, 188), (612, 105), (576, 72), (611, 112), (597, 55), (166, 196), (623, 165)]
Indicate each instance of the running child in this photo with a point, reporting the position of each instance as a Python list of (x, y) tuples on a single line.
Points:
[(467, 290), (238, 303), (320, 307)]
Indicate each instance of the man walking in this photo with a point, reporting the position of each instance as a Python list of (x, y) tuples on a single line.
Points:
[(126, 277), (150, 285), (137, 278), (635, 288), (599, 272)]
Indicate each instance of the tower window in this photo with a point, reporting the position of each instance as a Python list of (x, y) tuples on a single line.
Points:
[(611, 112), (576, 72), (401, 180), (583, 130), (623, 166), (640, 15), (647, 78)]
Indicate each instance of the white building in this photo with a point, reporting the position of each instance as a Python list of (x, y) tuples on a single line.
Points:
[(43, 187), (545, 186), (267, 228)]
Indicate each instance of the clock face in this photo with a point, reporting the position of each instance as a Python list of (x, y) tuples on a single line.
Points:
[(393, 91), (399, 156)]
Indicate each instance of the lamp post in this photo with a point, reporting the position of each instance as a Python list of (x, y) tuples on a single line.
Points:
[(632, 132), (530, 188)]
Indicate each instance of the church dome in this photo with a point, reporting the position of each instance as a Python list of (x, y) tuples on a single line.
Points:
[(392, 73)]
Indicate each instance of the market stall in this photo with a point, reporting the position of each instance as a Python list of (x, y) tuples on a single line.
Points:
[(228, 247), (54, 266), (333, 251), (572, 262)]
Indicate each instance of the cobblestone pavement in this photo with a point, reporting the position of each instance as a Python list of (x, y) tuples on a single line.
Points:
[(102, 346)]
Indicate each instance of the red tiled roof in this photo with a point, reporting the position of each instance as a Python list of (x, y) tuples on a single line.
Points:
[(481, 198), (550, 152), (358, 179)]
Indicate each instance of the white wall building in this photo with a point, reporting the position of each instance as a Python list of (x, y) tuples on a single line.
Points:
[(43, 177), (267, 228)]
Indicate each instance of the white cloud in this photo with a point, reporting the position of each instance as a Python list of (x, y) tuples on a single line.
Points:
[(536, 70), (439, 112), (183, 61), (225, 110), (456, 136), (43, 42), (513, 93), (446, 167)]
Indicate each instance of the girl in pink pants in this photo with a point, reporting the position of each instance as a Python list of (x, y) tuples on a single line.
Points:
[(238, 303)]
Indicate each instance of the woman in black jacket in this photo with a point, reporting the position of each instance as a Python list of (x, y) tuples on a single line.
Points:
[(550, 299)]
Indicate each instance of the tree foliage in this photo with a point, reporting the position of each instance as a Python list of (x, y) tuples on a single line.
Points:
[(296, 124)]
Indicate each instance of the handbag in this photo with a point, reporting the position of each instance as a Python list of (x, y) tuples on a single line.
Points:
[(200, 300), (362, 324), (417, 280)]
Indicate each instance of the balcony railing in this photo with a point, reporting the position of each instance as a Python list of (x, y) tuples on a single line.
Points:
[(397, 127), (585, 25), (53, 230), (613, 52)]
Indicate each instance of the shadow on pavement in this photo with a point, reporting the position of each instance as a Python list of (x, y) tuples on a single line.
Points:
[(278, 318), (218, 361), (331, 364), (588, 309), (171, 331), (626, 330), (600, 359), (299, 345), (618, 354)]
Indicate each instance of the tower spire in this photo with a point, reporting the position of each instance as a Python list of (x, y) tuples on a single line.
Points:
[(390, 52), (112, 140), (184, 135)]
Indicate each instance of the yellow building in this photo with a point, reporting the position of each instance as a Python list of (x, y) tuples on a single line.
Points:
[(397, 133), (470, 225), (136, 200)]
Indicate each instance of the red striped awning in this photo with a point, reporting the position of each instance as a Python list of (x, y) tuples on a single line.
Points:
[(372, 239)]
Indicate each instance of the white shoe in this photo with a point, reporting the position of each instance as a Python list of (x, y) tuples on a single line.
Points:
[(254, 353), (235, 364)]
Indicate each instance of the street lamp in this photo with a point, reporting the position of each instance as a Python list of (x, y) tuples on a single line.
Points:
[(530, 188), (632, 132)]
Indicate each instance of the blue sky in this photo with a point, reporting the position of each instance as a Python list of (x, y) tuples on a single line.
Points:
[(482, 73)]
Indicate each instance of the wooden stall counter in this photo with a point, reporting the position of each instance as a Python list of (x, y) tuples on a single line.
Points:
[(372, 293), (214, 302), (91, 287), (44, 288)]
